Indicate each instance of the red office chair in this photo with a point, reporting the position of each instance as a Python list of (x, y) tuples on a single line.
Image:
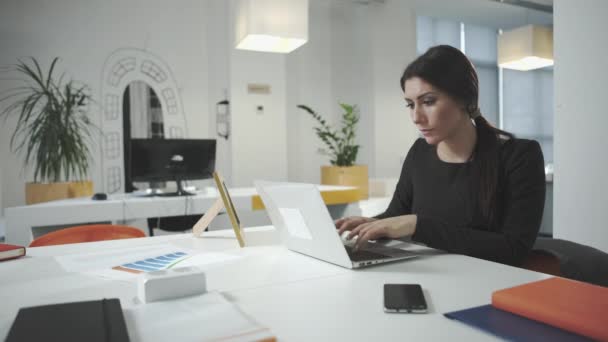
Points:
[(90, 233)]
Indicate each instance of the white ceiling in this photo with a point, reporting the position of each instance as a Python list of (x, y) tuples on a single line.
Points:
[(543, 2), (490, 13), (483, 12)]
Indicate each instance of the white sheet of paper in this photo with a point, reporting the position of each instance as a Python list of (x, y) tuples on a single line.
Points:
[(208, 317), (296, 226), (198, 259), (108, 259), (111, 274), (208, 258)]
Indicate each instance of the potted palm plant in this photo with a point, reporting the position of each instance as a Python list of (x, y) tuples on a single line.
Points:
[(342, 150), (52, 132)]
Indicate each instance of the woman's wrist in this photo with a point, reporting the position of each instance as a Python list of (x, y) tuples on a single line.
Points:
[(415, 222), (410, 225), (400, 226)]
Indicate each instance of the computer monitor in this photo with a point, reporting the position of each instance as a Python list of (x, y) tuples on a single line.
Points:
[(160, 160)]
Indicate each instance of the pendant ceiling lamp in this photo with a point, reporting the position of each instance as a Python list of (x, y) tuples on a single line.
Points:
[(526, 48), (271, 25)]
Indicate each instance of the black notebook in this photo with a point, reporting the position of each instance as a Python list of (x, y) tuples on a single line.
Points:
[(92, 321)]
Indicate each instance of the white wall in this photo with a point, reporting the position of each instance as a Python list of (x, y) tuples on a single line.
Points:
[(333, 67), (84, 34), (581, 161), (309, 83), (394, 46), (351, 70), (1, 192), (259, 139), (219, 45), (2, 229), (355, 54)]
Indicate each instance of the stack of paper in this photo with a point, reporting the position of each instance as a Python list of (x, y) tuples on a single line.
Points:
[(208, 317), (113, 264)]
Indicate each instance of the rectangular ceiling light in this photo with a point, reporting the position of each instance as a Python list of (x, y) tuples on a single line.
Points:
[(271, 25), (526, 48)]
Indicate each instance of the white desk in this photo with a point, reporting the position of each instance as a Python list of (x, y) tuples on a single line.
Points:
[(20, 221), (299, 298)]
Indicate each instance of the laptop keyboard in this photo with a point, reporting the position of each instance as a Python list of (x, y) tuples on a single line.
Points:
[(363, 255)]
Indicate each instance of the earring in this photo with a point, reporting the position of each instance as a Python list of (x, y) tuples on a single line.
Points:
[(475, 113)]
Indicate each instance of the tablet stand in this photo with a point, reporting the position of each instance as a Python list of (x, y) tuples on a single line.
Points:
[(222, 202)]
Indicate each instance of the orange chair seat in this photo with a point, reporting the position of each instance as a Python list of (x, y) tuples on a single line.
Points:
[(89, 233)]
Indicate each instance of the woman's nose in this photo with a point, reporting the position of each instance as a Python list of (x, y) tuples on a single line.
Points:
[(417, 116)]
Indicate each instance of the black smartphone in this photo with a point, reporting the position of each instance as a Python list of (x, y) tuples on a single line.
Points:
[(404, 298)]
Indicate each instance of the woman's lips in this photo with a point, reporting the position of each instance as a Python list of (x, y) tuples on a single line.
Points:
[(426, 132)]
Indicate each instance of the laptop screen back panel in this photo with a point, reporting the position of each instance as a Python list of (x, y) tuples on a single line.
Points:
[(299, 211)]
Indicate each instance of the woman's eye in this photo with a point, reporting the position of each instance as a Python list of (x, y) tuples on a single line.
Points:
[(409, 105), (428, 102)]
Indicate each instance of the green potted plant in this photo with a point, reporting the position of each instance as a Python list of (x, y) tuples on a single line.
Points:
[(52, 131), (341, 149)]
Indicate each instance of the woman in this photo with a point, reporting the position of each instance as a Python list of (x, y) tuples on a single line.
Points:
[(466, 187)]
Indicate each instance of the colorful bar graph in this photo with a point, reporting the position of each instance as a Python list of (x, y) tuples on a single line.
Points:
[(161, 262)]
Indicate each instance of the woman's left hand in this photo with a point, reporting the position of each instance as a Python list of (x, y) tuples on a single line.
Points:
[(392, 227)]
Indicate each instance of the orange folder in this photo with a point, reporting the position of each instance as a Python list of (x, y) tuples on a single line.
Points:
[(571, 305)]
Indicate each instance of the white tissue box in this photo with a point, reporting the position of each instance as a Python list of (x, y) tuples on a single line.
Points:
[(171, 283)]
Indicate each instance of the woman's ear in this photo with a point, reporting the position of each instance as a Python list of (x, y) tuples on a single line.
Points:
[(463, 109)]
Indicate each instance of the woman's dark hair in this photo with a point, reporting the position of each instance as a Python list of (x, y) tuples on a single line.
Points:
[(449, 70)]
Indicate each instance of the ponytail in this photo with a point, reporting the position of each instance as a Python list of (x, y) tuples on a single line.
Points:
[(486, 162)]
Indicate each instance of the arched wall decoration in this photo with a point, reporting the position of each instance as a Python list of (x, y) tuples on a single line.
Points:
[(122, 67)]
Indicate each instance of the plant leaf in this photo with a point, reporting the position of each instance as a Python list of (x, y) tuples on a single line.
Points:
[(341, 143), (51, 131)]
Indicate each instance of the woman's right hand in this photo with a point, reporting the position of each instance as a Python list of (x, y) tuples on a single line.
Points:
[(350, 223)]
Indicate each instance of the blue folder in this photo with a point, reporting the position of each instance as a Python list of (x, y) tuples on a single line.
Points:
[(512, 327)]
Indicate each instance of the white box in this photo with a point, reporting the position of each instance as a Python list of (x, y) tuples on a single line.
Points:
[(171, 283)]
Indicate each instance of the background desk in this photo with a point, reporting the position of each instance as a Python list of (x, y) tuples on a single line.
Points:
[(21, 221), (299, 298)]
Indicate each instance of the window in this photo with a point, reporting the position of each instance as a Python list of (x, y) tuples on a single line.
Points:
[(431, 32), (528, 106), (479, 43), (480, 47)]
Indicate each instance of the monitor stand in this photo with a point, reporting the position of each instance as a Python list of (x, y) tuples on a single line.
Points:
[(152, 191), (158, 192), (180, 190)]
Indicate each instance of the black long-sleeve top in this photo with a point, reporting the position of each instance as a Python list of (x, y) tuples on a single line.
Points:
[(445, 200)]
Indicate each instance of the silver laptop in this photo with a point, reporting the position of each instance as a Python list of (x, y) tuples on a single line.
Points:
[(299, 214)]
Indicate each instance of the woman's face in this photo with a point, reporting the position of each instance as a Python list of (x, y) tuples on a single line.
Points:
[(436, 115)]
